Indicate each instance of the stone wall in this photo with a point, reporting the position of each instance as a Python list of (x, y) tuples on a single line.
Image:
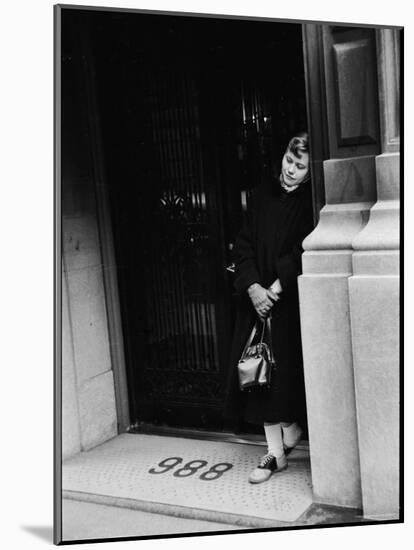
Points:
[(88, 396), (89, 413)]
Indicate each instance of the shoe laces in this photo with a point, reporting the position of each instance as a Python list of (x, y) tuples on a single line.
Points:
[(266, 460)]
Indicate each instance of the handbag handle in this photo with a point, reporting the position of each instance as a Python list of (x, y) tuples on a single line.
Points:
[(250, 339), (264, 323), (269, 334), (253, 334)]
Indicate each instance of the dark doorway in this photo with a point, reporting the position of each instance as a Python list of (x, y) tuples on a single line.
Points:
[(195, 112)]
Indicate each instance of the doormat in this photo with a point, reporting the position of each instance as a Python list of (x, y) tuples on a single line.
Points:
[(189, 478)]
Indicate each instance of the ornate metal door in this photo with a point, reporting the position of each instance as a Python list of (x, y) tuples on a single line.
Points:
[(179, 378)]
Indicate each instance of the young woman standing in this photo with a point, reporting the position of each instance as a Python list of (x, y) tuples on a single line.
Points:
[(267, 256)]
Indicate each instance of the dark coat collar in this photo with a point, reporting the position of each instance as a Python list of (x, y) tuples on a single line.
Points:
[(280, 191)]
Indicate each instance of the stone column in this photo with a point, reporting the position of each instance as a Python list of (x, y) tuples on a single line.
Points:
[(326, 332), (89, 410), (374, 308), (349, 97), (71, 442)]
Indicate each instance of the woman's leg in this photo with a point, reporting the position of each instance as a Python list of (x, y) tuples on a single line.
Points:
[(275, 459), (273, 433), (292, 434)]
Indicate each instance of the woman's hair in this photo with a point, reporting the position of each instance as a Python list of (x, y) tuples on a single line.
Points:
[(299, 144)]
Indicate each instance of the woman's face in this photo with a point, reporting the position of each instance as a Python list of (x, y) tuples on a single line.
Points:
[(294, 169)]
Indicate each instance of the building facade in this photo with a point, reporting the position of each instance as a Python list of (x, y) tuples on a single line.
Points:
[(349, 290)]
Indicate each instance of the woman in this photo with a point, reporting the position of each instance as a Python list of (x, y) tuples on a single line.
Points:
[(267, 255)]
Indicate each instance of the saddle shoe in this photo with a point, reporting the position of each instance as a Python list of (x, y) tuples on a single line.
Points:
[(267, 466)]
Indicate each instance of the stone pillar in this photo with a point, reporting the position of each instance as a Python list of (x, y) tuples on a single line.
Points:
[(88, 331), (326, 334), (89, 411), (70, 406), (374, 307), (348, 99)]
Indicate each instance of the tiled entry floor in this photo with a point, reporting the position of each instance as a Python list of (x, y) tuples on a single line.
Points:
[(189, 478)]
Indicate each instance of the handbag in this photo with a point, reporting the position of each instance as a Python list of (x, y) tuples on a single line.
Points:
[(257, 361)]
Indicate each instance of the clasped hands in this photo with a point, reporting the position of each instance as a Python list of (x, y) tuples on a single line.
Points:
[(263, 299)]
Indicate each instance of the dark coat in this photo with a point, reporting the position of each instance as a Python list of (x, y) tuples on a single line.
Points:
[(270, 247)]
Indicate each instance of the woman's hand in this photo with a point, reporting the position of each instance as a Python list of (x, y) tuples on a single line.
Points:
[(276, 287), (262, 299)]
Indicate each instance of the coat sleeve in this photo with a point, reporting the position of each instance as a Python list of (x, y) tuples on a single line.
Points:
[(289, 266), (244, 254)]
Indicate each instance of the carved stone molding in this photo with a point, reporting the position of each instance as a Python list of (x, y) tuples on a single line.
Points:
[(381, 233), (350, 193), (351, 91), (388, 54)]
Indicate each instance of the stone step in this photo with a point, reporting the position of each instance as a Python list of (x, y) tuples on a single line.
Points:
[(189, 478)]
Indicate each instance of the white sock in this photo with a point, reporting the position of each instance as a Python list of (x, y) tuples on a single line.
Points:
[(291, 434), (274, 440)]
